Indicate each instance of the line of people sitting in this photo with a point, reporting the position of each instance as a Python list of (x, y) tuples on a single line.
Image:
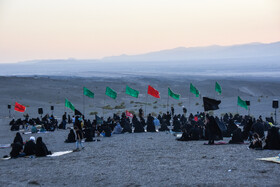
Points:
[(29, 148), (48, 123)]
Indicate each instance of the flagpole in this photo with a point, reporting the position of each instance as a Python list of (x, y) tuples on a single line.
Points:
[(190, 102), (237, 101), (167, 103), (146, 104), (104, 105), (83, 104)]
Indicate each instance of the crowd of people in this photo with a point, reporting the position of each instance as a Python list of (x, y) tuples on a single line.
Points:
[(200, 126), (47, 123), (29, 148)]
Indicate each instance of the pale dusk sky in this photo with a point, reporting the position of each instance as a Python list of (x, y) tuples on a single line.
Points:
[(91, 29)]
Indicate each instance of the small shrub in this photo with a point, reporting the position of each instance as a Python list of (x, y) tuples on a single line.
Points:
[(107, 107), (121, 106), (131, 102), (93, 113), (196, 104)]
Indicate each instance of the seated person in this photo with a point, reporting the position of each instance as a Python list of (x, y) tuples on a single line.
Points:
[(18, 138), (118, 129), (185, 136), (163, 126), (16, 150), (272, 140), (88, 134), (30, 147), (41, 148), (236, 137), (71, 137), (34, 129), (256, 143)]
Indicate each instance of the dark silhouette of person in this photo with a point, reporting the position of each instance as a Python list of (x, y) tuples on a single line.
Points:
[(236, 137), (71, 137), (127, 127), (41, 148), (176, 124), (272, 140), (138, 127), (30, 147), (150, 124), (256, 143), (258, 128), (18, 138), (163, 126), (212, 129), (16, 150)]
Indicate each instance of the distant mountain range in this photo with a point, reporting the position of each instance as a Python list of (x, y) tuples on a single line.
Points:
[(255, 59), (252, 50)]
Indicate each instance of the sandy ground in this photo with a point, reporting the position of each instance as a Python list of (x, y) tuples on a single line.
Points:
[(145, 159)]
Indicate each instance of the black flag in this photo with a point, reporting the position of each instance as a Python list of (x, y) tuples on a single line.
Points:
[(210, 104), (78, 113)]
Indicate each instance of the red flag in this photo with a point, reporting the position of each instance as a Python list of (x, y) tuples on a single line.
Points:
[(128, 114), (153, 92), (19, 107)]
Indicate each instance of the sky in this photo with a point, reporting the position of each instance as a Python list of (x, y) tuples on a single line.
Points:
[(93, 29)]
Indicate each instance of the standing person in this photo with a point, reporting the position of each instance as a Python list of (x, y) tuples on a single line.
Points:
[(79, 137), (212, 129)]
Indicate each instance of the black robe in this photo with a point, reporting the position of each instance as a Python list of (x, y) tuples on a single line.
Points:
[(41, 148), (71, 137), (29, 148), (16, 149)]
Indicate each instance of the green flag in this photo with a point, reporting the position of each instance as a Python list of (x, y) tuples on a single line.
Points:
[(111, 93), (242, 103), (68, 104), (131, 92), (88, 93), (194, 90), (173, 95), (218, 88)]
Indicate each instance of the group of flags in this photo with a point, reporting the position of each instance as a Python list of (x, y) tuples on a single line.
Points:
[(151, 91), (209, 104)]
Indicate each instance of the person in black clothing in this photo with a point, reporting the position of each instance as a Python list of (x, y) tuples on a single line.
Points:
[(236, 137), (150, 124), (126, 125), (185, 136), (30, 147), (272, 140), (41, 148), (256, 143), (71, 137), (16, 150), (176, 124), (138, 127), (258, 128), (18, 138), (163, 126), (212, 129), (195, 133)]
